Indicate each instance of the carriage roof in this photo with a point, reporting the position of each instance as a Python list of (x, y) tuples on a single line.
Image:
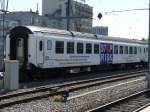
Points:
[(44, 30)]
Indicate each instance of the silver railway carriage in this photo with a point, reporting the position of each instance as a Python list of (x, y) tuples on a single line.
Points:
[(45, 48)]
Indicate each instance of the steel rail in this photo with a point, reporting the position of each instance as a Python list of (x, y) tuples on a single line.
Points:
[(52, 88), (141, 108), (101, 89), (104, 107), (46, 91)]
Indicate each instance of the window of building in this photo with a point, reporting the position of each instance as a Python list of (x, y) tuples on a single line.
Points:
[(121, 50), (115, 49), (49, 45), (88, 48), (59, 48), (80, 48), (126, 49), (70, 47), (130, 50), (40, 45), (96, 48)]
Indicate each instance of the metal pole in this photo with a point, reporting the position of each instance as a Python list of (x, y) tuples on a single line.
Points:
[(3, 37), (148, 75), (3, 34), (68, 14)]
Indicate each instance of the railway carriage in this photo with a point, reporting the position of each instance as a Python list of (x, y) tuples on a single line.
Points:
[(44, 48)]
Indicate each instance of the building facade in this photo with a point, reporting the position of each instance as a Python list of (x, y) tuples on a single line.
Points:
[(100, 30), (58, 8), (27, 18)]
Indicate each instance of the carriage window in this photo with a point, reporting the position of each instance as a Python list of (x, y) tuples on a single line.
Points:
[(131, 50), (40, 45), (115, 49), (96, 48), (146, 49), (139, 50), (20, 43), (126, 49), (121, 50), (88, 48), (70, 47), (49, 45), (80, 48), (135, 50), (59, 47)]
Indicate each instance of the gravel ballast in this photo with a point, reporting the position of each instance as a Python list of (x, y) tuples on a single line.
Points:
[(82, 103)]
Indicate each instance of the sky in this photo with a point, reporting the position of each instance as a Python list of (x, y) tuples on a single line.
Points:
[(133, 24)]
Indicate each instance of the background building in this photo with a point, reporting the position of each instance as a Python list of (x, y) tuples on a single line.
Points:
[(28, 18), (100, 30), (58, 8)]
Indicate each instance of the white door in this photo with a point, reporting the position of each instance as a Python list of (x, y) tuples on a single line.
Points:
[(143, 54), (20, 51), (40, 51)]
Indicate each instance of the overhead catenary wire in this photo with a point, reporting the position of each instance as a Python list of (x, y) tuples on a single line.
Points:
[(127, 10)]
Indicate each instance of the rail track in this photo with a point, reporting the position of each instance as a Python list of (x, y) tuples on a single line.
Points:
[(127, 104), (141, 108), (63, 89)]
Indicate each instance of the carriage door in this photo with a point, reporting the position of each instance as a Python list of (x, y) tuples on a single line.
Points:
[(40, 51), (20, 50)]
